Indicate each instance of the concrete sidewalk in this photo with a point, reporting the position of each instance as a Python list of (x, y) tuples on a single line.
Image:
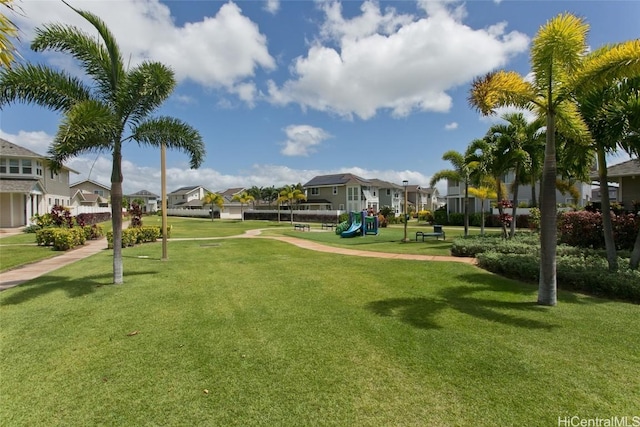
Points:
[(19, 275)]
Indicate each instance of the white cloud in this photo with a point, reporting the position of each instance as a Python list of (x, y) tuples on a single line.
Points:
[(501, 111), (272, 6), (303, 140), (37, 142), (220, 51), (451, 126), (387, 61)]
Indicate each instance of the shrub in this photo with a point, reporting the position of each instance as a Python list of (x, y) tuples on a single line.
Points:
[(92, 218), (136, 215), (44, 237), (584, 229), (425, 215), (149, 234), (61, 216), (93, 232)]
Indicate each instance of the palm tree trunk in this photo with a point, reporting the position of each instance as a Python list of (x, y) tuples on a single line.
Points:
[(500, 196), (514, 213), (547, 286), (116, 214), (482, 220), (466, 207), (534, 201), (607, 226), (635, 254)]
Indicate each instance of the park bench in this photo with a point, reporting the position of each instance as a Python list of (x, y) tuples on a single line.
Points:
[(437, 233), (328, 226), (302, 227)]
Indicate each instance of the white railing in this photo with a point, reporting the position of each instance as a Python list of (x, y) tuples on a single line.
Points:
[(76, 210)]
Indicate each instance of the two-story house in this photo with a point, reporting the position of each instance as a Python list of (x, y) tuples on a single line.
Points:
[(28, 185), (149, 201), (187, 197), (627, 175), (342, 192), (423, 198), (391, 195), (455, 195), (90, 193)]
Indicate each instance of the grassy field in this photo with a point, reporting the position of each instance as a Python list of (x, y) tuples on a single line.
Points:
[(258, 332)]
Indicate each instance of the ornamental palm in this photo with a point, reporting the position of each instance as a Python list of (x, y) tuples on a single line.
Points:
[(102, 112), (459, 173), (291, 194), (561, 67), (244, 198), (484, 191), (7, 31), (213, 199)]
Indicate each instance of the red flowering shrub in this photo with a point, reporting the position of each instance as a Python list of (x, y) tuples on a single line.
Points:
[(584, 229)]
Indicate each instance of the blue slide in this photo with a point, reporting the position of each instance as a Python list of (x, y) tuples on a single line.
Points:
[(353, 231)]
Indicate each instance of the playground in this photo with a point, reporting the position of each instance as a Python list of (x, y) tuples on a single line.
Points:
[(359, 224)]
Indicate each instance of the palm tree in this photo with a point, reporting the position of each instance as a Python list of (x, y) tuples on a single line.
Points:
[(488, 160), (291, 194), (484, 191), (213, 199), (518, 140), (459, 173), (256, 192), (561, 67), (269, 194), (609, 113), (244, 198), (97, 109)]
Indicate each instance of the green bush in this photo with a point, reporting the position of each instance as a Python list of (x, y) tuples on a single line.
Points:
[(583, 273), (134, 235), (343, 226), (149, 233), (92, 232)]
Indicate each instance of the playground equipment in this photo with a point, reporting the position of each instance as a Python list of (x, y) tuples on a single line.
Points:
[(361, 225)]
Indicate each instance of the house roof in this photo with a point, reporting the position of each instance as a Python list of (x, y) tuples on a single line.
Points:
[(628, 168), (75, 184), (336, 179), (229, 192), (187, 190), (191, 204), (85, 196), (12, 150), (384, 184), (143, 193), (24, 186), (9, 149)]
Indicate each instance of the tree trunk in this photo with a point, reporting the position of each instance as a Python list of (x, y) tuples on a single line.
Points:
[(482, 220), (500, 196), (547, 286), (607, 226), (514, 213), (534, 201), (466, 207), (116, 213), (635, 254)]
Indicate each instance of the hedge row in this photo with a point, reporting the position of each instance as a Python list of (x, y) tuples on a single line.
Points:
[(135, 235), (92, 218), (587, 274), (475, 219), (584, 229)]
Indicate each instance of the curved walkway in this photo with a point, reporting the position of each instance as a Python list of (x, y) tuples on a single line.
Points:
[(19, 275)]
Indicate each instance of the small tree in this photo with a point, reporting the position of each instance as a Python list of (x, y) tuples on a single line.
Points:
[(213, 199), (244, 198), (291, 194), (483, 192)]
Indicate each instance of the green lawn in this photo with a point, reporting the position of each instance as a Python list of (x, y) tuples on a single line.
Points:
[(278, 335)]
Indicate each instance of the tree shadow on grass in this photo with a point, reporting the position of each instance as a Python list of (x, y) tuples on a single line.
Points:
[(498, 301), (51, 283)]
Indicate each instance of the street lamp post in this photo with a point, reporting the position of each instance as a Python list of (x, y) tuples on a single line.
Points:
[(405, 183)]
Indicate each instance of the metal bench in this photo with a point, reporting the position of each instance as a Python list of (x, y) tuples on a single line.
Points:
[(328, 226), (302, 227), (437, 233)]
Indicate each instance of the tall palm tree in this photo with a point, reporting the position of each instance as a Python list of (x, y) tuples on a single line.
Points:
[(213, 199), (256, 192), (519, 141), (291, 194), (561, 66), (459, 173), (244, 198), (609, 113), (484, 191), (101, 112)]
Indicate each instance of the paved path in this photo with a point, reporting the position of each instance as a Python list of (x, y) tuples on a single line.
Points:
[(19, 275)]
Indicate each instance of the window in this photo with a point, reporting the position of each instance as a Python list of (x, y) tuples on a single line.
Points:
[(341, 207), (99, 192), (39, 168), (335, 191), (3, 166), (49, 201), (315, 191), (26, 167), (388, 191), (57, 201), (14, 166)]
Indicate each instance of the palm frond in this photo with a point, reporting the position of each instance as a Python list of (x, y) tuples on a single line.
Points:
[(447, 174), (174, 133), (558, 48), (144, 89), (87, 127), (41, 85), (607, 64), (500, 89)]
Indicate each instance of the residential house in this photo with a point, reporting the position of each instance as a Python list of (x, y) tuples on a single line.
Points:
[(149, 200), (627, 175), (597, 198), (85, 198), (88, 186), (342, 192), (232, 208), (390, 194), (455, 195), (187, 197), (423, 198), (28, 185)]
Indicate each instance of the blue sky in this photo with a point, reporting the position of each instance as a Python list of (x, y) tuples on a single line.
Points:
[(282, 91)]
